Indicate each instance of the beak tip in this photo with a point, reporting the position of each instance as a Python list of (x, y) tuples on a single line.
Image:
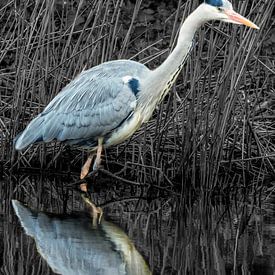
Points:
[(256, 27), (234, 17)]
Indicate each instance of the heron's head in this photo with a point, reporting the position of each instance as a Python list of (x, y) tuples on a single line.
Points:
[(222, 10)]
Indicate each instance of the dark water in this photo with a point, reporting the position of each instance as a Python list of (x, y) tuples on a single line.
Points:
[(172, 233)]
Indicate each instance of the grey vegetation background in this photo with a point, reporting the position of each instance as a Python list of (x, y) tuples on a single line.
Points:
[(210, 143), (216, 125)]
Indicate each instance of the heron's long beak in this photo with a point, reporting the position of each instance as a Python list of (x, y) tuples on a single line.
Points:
[(236, 18)]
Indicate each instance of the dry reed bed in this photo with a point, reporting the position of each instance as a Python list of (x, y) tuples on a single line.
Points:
[(214, 129)]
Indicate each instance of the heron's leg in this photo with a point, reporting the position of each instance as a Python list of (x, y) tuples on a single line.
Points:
[(86, 167), (97, 162)]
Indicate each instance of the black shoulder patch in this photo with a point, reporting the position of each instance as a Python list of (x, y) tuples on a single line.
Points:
[(134, 85)]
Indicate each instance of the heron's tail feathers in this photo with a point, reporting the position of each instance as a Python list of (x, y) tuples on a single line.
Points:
[(32, 134)]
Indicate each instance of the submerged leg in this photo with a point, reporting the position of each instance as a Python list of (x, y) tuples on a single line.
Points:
[(86, 167)]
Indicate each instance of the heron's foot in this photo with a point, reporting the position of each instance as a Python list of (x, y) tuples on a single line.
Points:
[(96, 212), (93, 174), (90, 180), (84, 187), (86, 167), (87, 185), (97, 166)]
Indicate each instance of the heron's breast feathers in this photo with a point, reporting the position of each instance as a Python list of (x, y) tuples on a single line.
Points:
[(126, 130)]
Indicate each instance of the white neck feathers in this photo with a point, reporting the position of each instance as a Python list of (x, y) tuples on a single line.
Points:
[(160, 80)]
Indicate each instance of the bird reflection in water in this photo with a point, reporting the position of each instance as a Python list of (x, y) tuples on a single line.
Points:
[(79, 245)]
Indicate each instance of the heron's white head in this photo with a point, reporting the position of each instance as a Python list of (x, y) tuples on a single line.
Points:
[(222, 10)]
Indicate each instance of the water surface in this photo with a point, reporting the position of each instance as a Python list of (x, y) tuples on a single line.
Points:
[(172, 232)]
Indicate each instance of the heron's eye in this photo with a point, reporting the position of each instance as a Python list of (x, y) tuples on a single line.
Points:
[(220, 9)]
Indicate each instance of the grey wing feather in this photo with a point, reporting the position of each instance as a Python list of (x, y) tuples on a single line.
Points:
[(93, 104)]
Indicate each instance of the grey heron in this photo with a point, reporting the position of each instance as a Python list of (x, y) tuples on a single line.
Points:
[(106, 104)]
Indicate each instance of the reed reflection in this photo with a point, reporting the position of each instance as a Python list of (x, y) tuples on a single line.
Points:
[(175, 235)]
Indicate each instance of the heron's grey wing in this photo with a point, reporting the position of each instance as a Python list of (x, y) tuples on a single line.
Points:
[(92, 105), (95, 107)]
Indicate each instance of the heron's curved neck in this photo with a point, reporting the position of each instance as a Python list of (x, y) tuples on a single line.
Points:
[(160, 80), (177, 56)]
